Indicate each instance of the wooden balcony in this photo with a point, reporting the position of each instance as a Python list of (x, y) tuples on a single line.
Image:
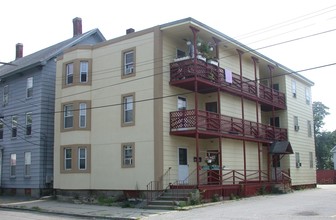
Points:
[(211, 125), (208, 77)]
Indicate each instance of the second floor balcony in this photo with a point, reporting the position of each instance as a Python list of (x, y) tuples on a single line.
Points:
[(212, 125), (209, 77)]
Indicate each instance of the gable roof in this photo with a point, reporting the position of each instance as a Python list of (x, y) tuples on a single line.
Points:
[(281, 147), (42, 56), (233, 41)]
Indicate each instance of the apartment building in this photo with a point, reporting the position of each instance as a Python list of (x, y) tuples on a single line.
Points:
[(180, 104), (27, 88)]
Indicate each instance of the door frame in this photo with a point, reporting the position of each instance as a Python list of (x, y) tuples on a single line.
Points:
[(183, 170)]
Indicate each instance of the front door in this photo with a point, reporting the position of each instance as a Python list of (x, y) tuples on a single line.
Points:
[(276, 168), (183, 167)]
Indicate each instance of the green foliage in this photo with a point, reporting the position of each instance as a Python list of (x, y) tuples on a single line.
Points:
[(195, 198), (215, 198), (36, 208), (319, 113), (102, 200), (324, 142), (234, 197), (262, 190)]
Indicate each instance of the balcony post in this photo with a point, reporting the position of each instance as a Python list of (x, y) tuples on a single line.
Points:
[(271, 68), (194, 31)]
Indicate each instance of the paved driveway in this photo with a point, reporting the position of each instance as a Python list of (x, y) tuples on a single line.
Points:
[(319, 203)]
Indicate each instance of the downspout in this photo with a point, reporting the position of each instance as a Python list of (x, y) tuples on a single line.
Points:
[(255, 63)]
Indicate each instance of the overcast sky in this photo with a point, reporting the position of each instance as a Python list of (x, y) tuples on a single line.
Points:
[(39, 23)]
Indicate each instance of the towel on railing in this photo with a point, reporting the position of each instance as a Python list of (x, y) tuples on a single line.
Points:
[(228, 76)]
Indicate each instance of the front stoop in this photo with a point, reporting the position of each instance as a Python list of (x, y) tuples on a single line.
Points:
[(170, 199)]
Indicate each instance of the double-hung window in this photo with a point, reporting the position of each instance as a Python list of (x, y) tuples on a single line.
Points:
[(296, 123), (14, 125), (308, 96), (68, 116), (67, 158), (69, 73), (128, 109), (181, 103), (294, 88), (13, 165), (128, 63), (82, 115), (27, 163), (128, 155), (84, 71), (309, 127), (1, 128), (29, 122), (5, 95), (82, 158), (29, 87)]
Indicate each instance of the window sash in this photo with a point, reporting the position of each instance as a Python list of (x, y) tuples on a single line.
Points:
[(128, 62), (68, 116), (13, 165), (181, 103), (29, 122), (1, 128), (308, 98), (29, 87), (5, 95), (14, 126), (127, 155), (67, 158), (84, 71), (82, 115), (27, 163), (128, 109), (311, 161), (82, 158), (69, 73), (294, 88), (309, 128)]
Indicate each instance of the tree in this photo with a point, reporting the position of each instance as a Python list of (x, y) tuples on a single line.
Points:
[(319, 113), (324, 140)]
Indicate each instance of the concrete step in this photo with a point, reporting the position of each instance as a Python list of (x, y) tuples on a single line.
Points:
[(161, 207)]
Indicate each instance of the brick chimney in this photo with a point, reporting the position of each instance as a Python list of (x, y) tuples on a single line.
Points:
[(130, 30), (19, 51), (77, 26)]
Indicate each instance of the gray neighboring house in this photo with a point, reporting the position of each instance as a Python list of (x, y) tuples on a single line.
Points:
[(27, 97)]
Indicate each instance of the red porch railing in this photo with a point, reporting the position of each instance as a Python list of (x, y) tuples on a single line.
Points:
[(196, 69), (223, 125)]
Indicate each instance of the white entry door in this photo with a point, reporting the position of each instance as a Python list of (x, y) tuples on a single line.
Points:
[(183, 167)]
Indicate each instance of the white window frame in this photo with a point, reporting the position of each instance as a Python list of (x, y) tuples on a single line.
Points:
[(5, 95), (68, 113), (294, 88), (84, 71), (82, 115), (80, 158), (128, 107), (27, 163), (181, 103), (69, 77), (308, 95), (66, 159), (29, 90), (296, 123), (311, 160), (297, 160), (29, 123), (12, 171), (14, 126), (128, 155), (129, 64)]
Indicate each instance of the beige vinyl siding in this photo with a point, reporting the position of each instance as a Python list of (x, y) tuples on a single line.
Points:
[(300, 141)]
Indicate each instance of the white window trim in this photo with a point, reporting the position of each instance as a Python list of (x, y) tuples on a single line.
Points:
[(82, 113), (30, 84), (29, 123), (68, 116), (69, 73), (27, 163), (66, 159), (84, 71), (128, 66), (128, 107), (5, 95), (12, 165), (14, 125), (181, 103), (79, 158)]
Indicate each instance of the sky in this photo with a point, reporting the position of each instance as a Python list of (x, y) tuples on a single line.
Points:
[(302, 32)]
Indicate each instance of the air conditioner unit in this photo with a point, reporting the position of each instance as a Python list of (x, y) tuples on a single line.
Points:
[(296, 127), (128, 161), (298, 165), (129, 70)]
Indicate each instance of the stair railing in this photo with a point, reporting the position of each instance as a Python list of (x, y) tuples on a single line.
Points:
[(157, 187)]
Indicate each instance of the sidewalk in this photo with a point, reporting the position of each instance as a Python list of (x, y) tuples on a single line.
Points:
[(77, 210)]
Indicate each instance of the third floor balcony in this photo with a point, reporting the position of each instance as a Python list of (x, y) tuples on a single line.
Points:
[(187, 73)]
